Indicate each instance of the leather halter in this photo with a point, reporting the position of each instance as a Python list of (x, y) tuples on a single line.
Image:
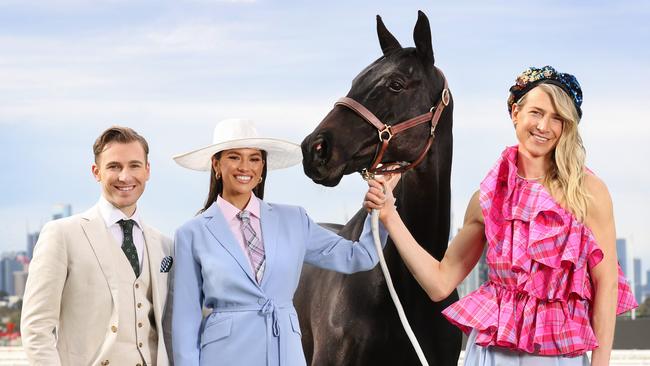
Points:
[(386, 132)]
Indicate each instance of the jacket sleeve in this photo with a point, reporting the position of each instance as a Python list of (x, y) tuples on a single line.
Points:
[(187, 302), (42, 299), (328, 250)]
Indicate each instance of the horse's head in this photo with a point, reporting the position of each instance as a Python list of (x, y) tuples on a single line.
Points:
[(401, 84)]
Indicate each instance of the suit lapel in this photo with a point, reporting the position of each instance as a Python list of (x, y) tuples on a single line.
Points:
[(220, 229), (153, 247), (99, 238), (269, 223)]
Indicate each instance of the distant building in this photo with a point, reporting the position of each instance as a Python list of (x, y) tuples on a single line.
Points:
[(475, 278), (646, 291), (646, 288), (621, 251), (638, 288), (483, 267), (61, 210), (31, 243), (20, 280), (9, 265), (470, 283)]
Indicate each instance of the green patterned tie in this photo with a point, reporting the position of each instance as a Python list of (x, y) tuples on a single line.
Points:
[(128, 247)]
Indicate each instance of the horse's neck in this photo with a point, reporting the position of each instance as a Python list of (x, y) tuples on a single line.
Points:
[(424, 200)]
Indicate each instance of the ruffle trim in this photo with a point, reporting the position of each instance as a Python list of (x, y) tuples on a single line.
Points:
[(514, 320)]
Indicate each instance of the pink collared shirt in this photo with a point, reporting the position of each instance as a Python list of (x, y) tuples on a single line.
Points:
[(230, 214)]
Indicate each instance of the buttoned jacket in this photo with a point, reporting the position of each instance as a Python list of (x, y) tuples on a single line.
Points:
[(250, 323), (70, 313)]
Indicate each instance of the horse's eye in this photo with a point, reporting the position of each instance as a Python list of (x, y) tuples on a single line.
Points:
[(395, 86)]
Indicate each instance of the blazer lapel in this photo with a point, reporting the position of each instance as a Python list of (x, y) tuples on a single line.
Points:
[(154, 254), (269, 223), (99, 238), (220, 229)]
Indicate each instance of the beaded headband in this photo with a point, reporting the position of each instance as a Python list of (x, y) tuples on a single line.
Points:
[(532, 76)]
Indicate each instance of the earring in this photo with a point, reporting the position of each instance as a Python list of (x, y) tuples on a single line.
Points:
[(217, 175), (260, 181)]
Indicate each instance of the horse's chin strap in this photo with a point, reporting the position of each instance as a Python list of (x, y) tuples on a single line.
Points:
[(386, 132)]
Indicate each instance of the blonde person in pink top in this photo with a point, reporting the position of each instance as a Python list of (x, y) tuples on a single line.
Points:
[(554, 286)]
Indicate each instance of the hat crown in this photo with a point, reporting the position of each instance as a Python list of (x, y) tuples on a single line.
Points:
[(238, 133), (234, 129)]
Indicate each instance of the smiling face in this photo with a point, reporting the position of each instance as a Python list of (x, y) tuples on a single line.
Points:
[(240, 171), (537, 123), (123, 170)]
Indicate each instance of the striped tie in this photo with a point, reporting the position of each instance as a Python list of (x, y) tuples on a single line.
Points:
[(254, 245), (128, 247)]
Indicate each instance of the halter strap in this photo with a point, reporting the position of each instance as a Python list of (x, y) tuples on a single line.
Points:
[(386, 132)]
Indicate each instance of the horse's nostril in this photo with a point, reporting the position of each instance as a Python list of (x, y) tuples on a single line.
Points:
[(319, 149)]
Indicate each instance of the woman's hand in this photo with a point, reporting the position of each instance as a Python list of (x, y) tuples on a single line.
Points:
[(380, 195)]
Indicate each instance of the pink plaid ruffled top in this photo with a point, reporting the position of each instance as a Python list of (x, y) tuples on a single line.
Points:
[(539, 294)]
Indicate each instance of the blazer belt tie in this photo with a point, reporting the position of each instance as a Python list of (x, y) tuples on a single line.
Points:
[(270, 311)]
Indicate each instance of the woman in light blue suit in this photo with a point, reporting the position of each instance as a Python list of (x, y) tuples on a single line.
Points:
[(245, 271)]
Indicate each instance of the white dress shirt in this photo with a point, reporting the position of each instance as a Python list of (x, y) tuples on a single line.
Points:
[(112, 215)]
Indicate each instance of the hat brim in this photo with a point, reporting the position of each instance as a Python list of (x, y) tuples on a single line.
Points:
[(280, 154)]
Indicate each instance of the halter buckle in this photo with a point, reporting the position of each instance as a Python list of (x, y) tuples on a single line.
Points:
[(367, 175), (445, 97), (387, 131)]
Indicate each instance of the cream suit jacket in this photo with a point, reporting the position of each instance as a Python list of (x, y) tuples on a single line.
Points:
[(72, 291)]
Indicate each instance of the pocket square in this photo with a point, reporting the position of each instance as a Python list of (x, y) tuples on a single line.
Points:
[(166, 264)]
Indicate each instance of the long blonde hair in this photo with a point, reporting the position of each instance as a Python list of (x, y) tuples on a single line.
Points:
[(567, 174)]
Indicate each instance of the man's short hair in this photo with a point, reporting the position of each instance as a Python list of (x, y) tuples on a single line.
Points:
[(119, 134)]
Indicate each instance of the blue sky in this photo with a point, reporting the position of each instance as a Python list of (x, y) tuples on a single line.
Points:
[(172, 69)]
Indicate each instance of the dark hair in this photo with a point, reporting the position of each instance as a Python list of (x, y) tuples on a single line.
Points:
[(122, 135), (216, 185)]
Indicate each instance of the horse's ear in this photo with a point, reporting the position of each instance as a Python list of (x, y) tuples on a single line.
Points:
[(387, 41), (422, 38)]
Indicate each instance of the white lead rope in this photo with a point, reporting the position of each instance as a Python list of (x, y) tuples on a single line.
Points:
[(374, 220)]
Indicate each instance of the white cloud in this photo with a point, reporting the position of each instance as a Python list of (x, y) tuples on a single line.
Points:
[(173, 75)]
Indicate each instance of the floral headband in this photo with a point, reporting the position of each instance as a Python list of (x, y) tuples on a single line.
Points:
[(533, 76)]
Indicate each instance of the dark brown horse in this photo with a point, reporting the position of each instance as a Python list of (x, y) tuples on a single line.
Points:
[(350, 319)]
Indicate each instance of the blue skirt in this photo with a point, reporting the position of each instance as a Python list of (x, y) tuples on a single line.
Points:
[(494, 356)]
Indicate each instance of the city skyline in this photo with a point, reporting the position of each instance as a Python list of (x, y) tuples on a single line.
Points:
[(474, 279), (172, 70)]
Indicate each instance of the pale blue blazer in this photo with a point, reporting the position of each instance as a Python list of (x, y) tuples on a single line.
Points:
[(251, 324)]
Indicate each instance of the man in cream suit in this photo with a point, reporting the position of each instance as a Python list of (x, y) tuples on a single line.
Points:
[(97, 287)]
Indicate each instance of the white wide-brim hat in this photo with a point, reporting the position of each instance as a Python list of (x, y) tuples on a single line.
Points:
[(236, 133)]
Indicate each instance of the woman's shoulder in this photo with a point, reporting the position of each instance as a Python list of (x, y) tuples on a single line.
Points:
[(595, 186), (283, 208), (192, 223), (599, 201), (597, 192)]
